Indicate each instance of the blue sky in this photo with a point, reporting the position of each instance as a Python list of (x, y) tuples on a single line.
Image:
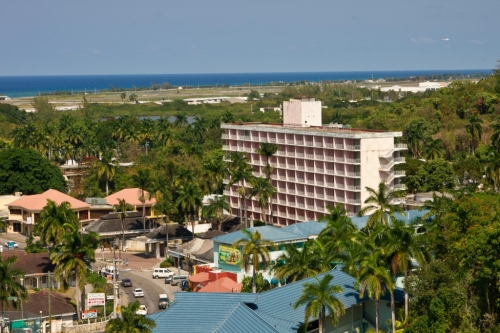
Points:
[(60, 37)]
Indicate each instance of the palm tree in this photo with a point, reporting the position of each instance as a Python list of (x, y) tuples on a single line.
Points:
[(339, 234), (75, 253), (495, 137), (130, 321), (318, 298), (267, 150), (180, 119), (122, 208), (55, 221), (474, 129), (239, 171), (199, 127), (434, 149), (107, 166), (165, 207), (492, 169), (254, 252), (375, 279), (189, 199), (147, 132), (228, 117), (299, 263), (414, 134), (132, 97), (216, 207), (403, 246), (263, 191), (123, 95), (143, 180), (214, 170), (381, 203), (9, 285), (164, 132)]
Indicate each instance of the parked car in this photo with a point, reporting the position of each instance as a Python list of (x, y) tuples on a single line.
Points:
[(138, 292), (162, 273), (11, 245), (143, 310), (175, 279), (126, 283)]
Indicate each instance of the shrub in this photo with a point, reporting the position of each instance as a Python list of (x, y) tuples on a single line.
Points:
[(165, 264)]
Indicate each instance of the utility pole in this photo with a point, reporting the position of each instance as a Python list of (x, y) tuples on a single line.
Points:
[(50, 314), (114, 288)]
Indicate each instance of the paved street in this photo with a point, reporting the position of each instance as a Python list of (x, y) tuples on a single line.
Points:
[(11, 237), (139, 270)]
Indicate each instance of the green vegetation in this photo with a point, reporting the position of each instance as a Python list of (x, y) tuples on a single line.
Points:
[(130, 322), (23, 170)]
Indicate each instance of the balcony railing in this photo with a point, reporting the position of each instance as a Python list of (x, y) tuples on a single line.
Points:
[(400, 173), (225, 136), (400, 160), (400, 187), (354, 187), (339, 146), (401, 146), (353, 160), (353, 147), (354, 201), (354, 174)]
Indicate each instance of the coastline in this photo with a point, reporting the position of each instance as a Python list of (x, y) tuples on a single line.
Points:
[(30, 86)]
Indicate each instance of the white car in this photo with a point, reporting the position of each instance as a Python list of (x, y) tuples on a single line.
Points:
[(138, 292), (143, 310)]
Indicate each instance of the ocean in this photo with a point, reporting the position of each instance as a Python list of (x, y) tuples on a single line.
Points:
[(22, 86)]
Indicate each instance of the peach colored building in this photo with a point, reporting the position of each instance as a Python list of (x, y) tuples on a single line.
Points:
[(315, 165), (25, 211)]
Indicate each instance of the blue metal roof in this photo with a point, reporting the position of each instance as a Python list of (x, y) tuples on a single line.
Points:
[(303, 230), (200, 312), (269, 233), (268, 312), (306, 229), (410, 215)]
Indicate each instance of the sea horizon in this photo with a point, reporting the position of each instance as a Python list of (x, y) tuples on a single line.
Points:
[(32, 85)]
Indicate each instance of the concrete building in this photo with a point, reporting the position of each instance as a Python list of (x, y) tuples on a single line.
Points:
[(315, 166)]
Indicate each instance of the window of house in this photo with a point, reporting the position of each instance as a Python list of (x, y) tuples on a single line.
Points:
[(17, 227)]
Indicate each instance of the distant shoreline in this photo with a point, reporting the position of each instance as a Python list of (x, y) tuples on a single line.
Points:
[(29, 86)]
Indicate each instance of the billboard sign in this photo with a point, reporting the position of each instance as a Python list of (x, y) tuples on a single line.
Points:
[(87, 314), (95, 299), (229, 255)]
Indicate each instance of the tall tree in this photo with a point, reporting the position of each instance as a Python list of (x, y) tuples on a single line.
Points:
[(122, 208), (374, 279), (216, 208), (147, 132), (299, 263), (8, 280), (495, 137), (254, 252), (381, 203), (55, 222), (239, 171), (263, 191), (130, 321), (318, 298), (404, 248), (143, 180), (75, 253), (189, 199), (474, 129), (107, 167), (267, 150), (434, 149)]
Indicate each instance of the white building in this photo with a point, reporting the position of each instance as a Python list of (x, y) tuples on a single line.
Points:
[(316, 166)]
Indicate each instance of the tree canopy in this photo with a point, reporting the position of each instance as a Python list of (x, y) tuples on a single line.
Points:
[(23, 170)]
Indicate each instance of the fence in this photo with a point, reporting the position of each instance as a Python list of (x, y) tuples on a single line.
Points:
[(87, 325)]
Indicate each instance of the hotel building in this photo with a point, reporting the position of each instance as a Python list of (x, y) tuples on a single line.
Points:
[(316, 166)]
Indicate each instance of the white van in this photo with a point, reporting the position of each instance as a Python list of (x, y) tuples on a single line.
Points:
[(162, 273)]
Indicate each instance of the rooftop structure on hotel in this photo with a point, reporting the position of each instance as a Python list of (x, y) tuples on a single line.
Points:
[(315, 166)]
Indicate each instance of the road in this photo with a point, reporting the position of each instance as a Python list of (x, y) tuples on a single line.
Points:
[(152, 289), (3, 240)]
